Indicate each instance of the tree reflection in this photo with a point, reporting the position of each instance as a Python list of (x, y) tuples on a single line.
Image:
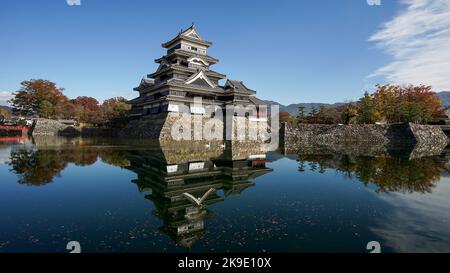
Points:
[(113, 157), (36, 168), (389, 174), (40, 167)]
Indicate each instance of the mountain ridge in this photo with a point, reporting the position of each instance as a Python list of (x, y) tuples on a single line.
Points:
[(292, 108), (7, 108)]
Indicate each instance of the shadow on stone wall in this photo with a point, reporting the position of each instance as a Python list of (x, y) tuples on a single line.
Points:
[(405, 140)]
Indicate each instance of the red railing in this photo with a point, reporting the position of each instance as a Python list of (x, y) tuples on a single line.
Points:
[(14, 128)]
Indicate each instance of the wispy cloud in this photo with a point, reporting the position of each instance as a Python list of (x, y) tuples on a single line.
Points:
[(417, 222), (4, 97), (418, 39)]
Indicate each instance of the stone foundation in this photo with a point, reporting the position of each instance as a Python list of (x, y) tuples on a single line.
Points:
[(49, 127), (366, 139), (160, 127)]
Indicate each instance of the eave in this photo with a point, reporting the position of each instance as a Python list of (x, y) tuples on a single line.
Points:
[(185, 53), (187, 70), (180, 38)]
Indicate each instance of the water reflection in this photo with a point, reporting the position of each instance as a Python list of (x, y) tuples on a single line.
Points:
[(389, 174), (408, 169), (166, 182), (412, 180), (164, 173), (39, 167)]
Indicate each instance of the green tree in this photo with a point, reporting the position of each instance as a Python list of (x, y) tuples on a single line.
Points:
[(115, 111), (367, 110), (313, 112), (46, 109), (322, 109), (349, 114), (301, 112)]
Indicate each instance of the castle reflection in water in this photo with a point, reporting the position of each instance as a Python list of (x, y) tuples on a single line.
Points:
[(167, 176), (168, 173)]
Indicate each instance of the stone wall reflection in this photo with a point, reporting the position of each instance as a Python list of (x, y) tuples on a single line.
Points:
[(405, 171)]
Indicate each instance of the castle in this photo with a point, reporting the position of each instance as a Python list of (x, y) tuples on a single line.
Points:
[(184, 75)]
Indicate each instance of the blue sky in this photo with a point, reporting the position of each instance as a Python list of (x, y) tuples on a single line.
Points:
[(289, 51)]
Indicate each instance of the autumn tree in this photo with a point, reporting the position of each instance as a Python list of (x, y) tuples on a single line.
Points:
[(407, 104), (328, 115), (4, 114), (286, 117), (367, 110), (40, 97), (87, 110), (349, 114), (115, 111)]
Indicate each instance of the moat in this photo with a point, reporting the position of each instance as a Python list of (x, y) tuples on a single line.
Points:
[(117, 196)]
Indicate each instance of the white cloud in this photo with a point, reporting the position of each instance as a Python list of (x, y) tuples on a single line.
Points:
[(418, 39), (4, 97), (417, 222)]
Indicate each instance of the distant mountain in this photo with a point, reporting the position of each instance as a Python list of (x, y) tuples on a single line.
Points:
[(7, 108), (445, 98), (292, 109)]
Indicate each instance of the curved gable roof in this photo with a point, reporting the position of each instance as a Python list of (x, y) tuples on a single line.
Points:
[(200, 76)]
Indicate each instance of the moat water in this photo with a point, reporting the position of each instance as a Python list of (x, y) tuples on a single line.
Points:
[(130, 197)]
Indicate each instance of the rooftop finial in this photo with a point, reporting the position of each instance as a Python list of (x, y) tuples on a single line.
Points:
[(193, 24)]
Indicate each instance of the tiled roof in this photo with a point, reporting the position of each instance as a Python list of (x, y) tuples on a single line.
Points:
[(184, 35), (238, 86), (257, 101), (144, 84)]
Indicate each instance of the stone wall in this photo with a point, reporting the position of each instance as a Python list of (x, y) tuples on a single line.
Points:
[(146, 127), (49, 127), (373, 137), (160, 127), (176, 152)]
